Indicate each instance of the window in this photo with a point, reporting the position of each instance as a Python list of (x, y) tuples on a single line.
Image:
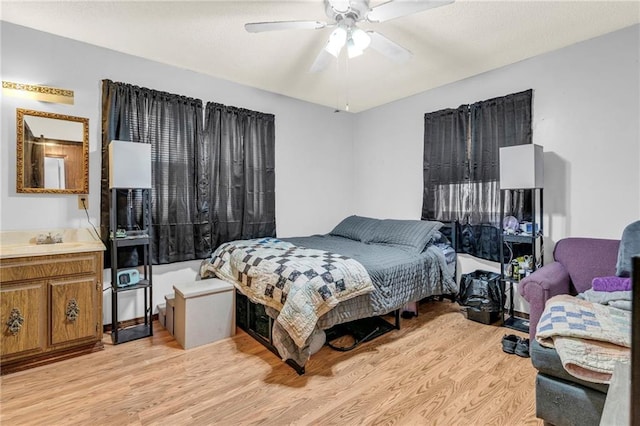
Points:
[(191, 163), (461, 169)]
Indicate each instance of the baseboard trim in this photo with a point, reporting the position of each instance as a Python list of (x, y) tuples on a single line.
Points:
[(128, 323), (12, 366)]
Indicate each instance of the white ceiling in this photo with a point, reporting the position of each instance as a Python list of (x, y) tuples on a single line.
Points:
[(449, 43)]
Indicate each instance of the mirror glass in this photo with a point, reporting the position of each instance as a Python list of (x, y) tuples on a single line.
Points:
[(53, 153)]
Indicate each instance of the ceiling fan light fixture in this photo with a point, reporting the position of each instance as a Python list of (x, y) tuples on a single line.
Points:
[(352, 49), (344, 15), (337, 40), (360, 38)]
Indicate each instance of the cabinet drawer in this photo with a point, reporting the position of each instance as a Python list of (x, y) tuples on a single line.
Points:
[(22, 307), (73, 310), (37, 267)]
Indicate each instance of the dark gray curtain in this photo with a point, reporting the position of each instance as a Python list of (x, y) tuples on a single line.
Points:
[(471, 194), (172, 124), (496, 123), (238, 158), (445, 165)]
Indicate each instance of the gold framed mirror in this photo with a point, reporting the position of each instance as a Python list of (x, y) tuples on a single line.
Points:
[(52, 153)]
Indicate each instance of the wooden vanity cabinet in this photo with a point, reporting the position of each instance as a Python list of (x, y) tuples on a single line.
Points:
[(50, 308)]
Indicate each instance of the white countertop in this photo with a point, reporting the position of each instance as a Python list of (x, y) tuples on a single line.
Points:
[(23, 243)]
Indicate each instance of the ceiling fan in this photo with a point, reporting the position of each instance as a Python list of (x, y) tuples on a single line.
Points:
[(344, 15)]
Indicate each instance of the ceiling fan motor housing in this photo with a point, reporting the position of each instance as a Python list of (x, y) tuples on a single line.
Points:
[(355, 10)]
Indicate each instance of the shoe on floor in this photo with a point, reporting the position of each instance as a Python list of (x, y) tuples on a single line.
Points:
[(509, 343), (522, 348)]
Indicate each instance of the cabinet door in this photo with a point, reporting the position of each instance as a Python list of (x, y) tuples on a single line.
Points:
[(73, 309), (21, 313)]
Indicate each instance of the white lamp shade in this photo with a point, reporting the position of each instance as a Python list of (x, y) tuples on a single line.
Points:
[(361, 39), (521, 167), (337, 39), (129, 165)]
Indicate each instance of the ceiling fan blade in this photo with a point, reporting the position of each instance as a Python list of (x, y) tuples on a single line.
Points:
[(388, 48), (398, 8), (321, 62), (258, 27)]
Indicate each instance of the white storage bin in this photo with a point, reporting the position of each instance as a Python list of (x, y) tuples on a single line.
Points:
[(204, 312), (169, 321)]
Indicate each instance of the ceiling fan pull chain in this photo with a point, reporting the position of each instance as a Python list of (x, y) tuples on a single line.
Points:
[(346, 81)]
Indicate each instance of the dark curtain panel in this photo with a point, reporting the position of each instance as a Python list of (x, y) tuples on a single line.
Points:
[(496, 123), (445, 170), (172, 124), (238, 157)]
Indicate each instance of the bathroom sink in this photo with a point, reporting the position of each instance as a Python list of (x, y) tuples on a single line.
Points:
[(23, 243)]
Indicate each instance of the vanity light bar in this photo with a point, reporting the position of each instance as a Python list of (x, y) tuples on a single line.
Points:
[(37, 92)]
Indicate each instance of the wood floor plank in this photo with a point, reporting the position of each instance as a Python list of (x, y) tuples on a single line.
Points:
[(439, 369)]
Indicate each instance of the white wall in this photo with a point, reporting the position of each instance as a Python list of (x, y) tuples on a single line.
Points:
[(586, 115), (313, 144)]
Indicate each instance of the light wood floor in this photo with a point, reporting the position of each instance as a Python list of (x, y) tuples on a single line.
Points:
[(439, 369)]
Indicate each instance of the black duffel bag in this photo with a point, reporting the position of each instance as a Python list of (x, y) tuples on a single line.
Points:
[(481, 291)]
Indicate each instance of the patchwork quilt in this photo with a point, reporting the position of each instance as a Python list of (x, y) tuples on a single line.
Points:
[(590, 338), (301, 283)]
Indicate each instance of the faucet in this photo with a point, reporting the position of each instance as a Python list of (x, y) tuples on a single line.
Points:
[(48, 239)]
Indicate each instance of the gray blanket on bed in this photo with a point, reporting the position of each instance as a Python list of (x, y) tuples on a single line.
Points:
[(399, 275)]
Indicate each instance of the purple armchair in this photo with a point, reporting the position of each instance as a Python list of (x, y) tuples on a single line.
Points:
[(576, 262)]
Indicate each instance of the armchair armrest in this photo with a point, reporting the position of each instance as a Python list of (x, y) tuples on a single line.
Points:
[(540, 286)]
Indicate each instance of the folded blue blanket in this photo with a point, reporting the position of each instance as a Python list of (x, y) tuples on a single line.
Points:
[(611, 284)]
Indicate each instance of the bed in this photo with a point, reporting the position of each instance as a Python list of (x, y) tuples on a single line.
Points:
[(363, 268)]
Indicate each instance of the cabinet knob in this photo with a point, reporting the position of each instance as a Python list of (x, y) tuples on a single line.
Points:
[(73, 310), (15, 321)]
